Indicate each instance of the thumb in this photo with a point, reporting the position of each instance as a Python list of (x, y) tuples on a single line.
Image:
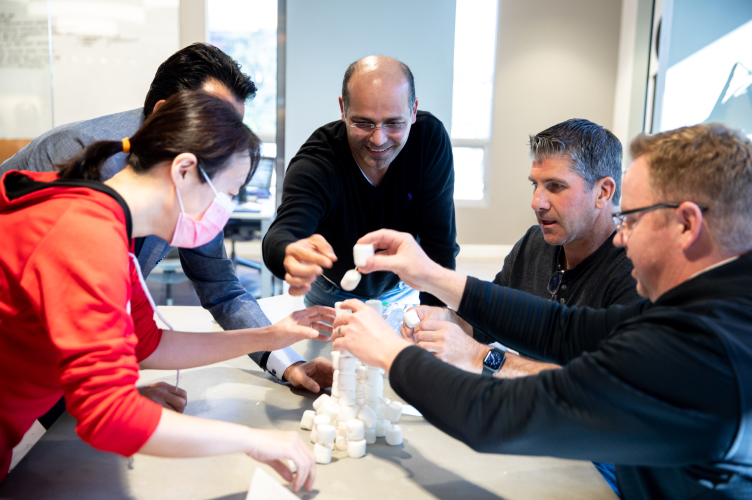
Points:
[(381, 262), (309, 383)]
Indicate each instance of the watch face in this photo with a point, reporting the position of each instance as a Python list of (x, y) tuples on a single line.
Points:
[(493, 360)]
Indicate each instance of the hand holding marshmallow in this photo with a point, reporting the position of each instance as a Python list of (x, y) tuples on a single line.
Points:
[(304, 260), (366, 335)]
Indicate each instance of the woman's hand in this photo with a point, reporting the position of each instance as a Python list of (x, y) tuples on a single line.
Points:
[(275, 447), (300, 325), (367, 336)]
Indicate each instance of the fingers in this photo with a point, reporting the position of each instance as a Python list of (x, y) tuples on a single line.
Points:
[(384, 239), (323, 246), (175, 401), (299, 290), (302, 279), (308, 382), (282, 469), (322, 327)]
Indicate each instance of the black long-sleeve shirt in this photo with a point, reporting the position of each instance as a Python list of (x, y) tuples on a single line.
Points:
[(326, 193), (601, 280), (662, 390)]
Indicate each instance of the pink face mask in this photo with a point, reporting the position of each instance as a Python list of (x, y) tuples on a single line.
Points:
[(192, 233)]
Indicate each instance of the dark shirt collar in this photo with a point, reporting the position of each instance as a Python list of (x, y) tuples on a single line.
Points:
[(732, 279), (600, 253)]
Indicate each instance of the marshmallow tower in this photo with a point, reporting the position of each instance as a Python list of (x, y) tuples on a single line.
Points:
[(357, 412)]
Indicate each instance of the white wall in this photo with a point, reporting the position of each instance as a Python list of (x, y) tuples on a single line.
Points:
[(325, 36), (555, 60)]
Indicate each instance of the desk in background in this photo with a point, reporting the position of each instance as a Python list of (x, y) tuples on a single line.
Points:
[(429, 465), (259, 215)]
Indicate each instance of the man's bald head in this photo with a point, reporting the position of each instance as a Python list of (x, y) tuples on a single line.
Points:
[(379, 69)]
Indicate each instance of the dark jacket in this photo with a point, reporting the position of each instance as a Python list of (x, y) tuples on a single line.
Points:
[(662, 390)]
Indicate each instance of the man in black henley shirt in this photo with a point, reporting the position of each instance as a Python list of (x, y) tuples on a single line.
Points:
[(384, 165)]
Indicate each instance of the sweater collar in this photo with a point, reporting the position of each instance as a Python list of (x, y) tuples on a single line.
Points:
[(731, 278)]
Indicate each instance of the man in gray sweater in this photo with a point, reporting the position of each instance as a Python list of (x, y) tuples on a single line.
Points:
[(198, 66)]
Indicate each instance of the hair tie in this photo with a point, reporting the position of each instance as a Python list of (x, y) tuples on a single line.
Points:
[(126, 145)]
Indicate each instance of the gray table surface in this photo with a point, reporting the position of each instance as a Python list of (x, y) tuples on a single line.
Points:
[(429, 464)]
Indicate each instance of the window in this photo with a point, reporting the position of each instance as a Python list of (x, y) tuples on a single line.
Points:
[(246, 30), (472, 98)]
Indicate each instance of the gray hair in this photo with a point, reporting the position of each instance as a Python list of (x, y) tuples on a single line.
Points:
[(594, 151)]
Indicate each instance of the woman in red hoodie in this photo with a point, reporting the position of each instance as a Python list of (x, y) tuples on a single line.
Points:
[(74, 318)]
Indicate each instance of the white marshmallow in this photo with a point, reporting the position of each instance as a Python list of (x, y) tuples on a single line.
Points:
[(367, 415), (374, 393), (314, 435), (335, 389), (411, 318), (374, 376), (387, 401), (356, 449), (335, 360), (370, 435), (378, 385), (332, 411), (360, 401), (320, 401), (338, 313), (347, 366), (375, 305), (394, 411), (346, 381), (350, 280), (381, 427), (345, 354), (361, 254), (307, 420), (341, 443), (326, 433), (321, 419), (337, 305), (355, 429), (323, 453), (373, 404), (362, 372), (347, 398), (394, 436), (347, 412), (380, 411)]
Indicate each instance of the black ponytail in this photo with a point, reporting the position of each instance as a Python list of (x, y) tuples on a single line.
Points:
[(87, 164)]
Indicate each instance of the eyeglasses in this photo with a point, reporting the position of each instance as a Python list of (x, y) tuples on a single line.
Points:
[(555, 282), (389, 128), (620, 218)]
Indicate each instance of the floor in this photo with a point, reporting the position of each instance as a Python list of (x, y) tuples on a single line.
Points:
[(484, 268)]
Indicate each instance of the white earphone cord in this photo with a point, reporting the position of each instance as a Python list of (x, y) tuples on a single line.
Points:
[(153, 305)]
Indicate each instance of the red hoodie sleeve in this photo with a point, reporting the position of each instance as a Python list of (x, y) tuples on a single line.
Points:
[(148, 333), (79, 279)]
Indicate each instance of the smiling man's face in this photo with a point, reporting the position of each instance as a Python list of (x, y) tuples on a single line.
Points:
[(379, 98), (563, 203)]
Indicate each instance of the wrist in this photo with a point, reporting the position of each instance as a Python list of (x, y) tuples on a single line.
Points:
[(447, 285), (390, 353), (285, 377)]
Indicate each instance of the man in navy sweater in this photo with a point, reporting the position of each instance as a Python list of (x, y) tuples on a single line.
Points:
[(663, 389)]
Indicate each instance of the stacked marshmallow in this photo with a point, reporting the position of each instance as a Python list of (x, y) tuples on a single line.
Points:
[(356, 413)]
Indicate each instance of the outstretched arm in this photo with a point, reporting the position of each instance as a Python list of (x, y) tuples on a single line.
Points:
[(178, 350), (181, 436)]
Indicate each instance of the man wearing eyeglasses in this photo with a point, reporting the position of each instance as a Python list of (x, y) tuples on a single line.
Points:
[(383, 165), (663, 389)]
